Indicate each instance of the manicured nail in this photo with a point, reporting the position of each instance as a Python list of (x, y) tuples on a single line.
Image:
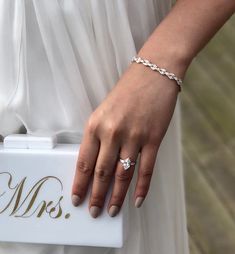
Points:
[(75, 200), (95, 211), (113, 210), (139, 201)]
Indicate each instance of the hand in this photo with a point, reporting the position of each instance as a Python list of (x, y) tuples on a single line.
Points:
[(132, 119)]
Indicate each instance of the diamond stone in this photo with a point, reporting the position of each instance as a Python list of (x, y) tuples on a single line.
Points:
[(126, 163)]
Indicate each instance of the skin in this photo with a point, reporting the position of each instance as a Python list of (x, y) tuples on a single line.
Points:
[(136, 126)]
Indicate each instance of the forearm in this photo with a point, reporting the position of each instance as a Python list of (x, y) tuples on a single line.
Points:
[(185, 31)]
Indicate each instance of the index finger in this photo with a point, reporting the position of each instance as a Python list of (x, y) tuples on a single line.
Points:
[(87, 157)]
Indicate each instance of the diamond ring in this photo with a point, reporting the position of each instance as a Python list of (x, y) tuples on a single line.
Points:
[(126, 163)]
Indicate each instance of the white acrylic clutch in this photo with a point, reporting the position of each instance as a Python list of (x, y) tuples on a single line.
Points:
[(36, 176)]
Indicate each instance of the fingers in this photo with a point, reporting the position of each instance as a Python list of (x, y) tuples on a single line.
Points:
[(102, 159), (145, 171), (88, 153), (122, 179), (103, 174)]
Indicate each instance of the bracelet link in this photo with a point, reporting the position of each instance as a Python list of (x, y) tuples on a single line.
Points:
[(154, 67)]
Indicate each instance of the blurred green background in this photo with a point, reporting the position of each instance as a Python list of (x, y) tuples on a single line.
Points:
[(208, 127)]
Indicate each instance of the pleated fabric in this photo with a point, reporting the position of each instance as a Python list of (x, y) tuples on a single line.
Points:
[(58, 61)]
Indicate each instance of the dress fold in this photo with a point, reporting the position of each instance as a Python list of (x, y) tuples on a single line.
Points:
[(58, 61)]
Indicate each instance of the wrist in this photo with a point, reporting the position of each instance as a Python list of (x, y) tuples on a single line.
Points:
[(170, 57), (155, 67)]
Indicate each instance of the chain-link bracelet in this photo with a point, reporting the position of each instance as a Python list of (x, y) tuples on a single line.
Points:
[(154, 67)]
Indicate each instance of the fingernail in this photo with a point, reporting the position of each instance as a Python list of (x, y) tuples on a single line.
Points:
[(95, 211), (75, 200), (113, 210), (139, 201)]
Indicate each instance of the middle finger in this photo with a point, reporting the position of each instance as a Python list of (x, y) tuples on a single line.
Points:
[(103, 173)]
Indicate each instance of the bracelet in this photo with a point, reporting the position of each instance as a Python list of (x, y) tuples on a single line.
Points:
[(154, 67)]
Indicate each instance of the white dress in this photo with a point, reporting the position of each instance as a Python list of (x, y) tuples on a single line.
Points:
[(58, 60)]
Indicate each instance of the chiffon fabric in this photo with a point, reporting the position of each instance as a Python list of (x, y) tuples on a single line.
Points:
[(58, 61)]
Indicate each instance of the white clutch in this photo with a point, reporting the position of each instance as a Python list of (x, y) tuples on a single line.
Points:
[(36, 176)]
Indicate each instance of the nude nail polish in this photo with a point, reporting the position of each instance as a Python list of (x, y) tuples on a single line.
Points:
[(45, 189), (139, 201), (113, 210), (95, 211), (75, 200)]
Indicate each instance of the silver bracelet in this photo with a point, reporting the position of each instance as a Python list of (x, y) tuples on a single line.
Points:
[(154, 67)]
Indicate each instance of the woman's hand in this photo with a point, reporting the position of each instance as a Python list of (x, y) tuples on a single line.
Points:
[(132, 119), (136, 113)]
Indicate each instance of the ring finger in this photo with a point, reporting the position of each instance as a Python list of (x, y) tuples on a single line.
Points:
[(122, 178)]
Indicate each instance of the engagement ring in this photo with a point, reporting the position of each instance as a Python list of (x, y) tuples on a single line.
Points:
[(126, 163)]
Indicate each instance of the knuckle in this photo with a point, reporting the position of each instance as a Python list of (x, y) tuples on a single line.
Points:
[(83, 167), (135, 134), (92, 124), (112, 129), (155, 139), (116, 199), (79, 189), (103, 174), (142, 189), (123, 176), (145, 173), (152, 147), (97, 199)]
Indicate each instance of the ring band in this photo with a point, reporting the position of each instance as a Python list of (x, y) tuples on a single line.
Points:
[(127, 163)]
